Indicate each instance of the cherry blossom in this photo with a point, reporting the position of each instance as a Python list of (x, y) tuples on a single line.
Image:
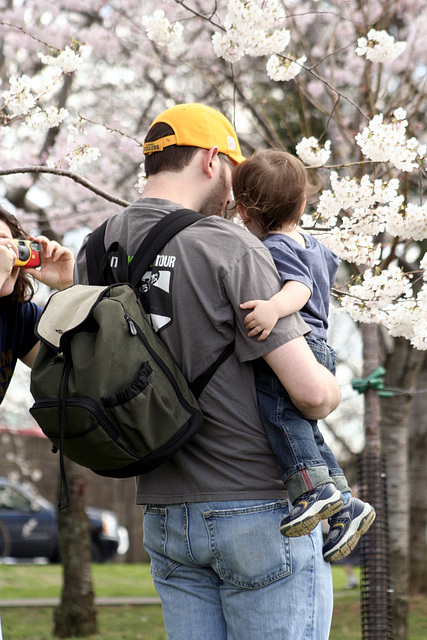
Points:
[(312, 153), (161, 31), (282, 69), (379, 46)]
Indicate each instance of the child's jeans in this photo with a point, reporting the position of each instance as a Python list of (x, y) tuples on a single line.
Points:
[(305, 459)]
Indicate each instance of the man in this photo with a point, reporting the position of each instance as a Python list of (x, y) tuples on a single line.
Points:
[(212, 513)]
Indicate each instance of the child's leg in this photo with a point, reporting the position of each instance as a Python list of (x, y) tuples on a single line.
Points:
[(304, 472), (327, 357), (290, 435), (355, 518), (335, 472)]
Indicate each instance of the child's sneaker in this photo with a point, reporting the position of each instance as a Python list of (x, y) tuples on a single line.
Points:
[(346, 528), (311, 507)]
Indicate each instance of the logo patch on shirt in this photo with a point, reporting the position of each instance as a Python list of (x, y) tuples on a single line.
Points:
[(155, 291)]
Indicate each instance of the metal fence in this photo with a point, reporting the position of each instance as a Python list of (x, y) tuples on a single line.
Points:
[(375, 592)]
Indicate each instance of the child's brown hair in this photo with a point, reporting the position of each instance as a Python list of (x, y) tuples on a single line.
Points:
[(271, 186)]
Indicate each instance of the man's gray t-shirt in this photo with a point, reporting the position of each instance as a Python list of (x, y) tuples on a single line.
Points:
[(194, 291)]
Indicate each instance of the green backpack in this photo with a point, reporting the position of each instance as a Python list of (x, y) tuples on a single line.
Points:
[(107, 392)]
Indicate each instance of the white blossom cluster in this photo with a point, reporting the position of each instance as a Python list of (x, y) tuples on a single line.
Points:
[(364, 209), (142, 180), (19, 100), (252, 27), (312, 153), (386, 142), (356, 203), (379, 46), (161, 31), (351, 247), (67, 60), (44, 119), (375, 293), (360, 199), (386, 298), (282, 69), (80, 155), (408, 223), (423, 266)]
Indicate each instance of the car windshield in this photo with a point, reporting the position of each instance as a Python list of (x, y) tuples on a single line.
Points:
[(12, 499)]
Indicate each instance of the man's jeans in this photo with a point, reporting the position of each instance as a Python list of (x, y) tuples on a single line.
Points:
[(305, 459), (223, 571)]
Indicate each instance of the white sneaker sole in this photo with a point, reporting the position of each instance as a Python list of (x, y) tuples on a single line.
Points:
[(358, 527), (320, 510)]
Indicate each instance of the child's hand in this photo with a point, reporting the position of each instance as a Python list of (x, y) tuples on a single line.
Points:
[(262, 319)]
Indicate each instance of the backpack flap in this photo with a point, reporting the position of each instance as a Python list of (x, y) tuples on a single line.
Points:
[(65, 311)]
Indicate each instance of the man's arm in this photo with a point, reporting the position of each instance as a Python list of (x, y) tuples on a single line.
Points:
[(312, 388)]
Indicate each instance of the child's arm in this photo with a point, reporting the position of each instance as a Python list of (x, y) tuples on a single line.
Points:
[(291, 298)]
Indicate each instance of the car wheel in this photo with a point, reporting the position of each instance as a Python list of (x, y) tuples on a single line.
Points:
[(54, 558), (97, 555)]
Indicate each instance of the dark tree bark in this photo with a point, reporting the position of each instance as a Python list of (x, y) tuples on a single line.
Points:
[(76, 614), (402, 365), (418, 483), (375, 595)]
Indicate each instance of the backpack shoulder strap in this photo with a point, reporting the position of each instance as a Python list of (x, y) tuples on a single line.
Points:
[(96, 255), (199, 383), (98, 258), (158, 236)]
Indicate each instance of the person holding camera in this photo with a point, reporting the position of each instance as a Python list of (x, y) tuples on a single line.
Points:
[(18, 314)]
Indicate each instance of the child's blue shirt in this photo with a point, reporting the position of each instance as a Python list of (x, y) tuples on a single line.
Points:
[(315, 266)]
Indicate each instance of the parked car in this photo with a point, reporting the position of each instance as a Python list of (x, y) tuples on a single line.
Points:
[(28, 527)]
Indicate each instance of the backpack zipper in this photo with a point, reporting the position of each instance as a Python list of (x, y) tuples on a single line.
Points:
[(91, 406), (137, 331)]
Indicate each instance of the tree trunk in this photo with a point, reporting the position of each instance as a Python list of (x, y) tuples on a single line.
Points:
[(402, 367), (371, 361), (76, 614), (375, 594), (418, 482)]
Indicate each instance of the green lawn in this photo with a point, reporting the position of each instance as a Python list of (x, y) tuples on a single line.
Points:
[(140, 622), (45, 581)]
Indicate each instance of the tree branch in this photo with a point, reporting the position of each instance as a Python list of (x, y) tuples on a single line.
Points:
[(67, 174)]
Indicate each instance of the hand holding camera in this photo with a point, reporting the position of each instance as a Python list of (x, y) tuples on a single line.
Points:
[(28, 252)]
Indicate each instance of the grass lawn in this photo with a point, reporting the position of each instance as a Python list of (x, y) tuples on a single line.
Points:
[(140, 622)]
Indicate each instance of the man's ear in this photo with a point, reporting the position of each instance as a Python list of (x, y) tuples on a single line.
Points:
[(208, 159)]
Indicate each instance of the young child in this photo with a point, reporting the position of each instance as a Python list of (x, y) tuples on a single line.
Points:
[(270, 190), (18, 315)]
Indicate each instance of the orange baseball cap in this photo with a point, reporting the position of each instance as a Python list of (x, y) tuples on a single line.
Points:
[(196, 125)]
